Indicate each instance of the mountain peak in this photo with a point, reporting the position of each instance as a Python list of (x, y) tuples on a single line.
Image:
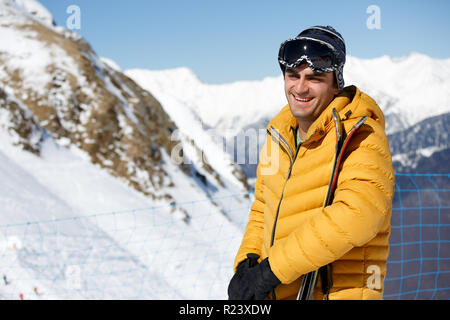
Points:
[(35, 9)]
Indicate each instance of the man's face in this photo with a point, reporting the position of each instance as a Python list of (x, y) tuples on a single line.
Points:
[(308, 92)]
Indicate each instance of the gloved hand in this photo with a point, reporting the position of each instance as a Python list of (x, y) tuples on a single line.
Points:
[(255, 283), (265, 280), (234, 290)]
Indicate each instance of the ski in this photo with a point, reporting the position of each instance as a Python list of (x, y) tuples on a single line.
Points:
[(309, 282)]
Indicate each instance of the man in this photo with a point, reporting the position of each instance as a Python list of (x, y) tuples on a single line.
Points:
[(308, 215)]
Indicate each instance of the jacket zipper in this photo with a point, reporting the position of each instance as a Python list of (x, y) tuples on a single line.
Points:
[(277, 137)]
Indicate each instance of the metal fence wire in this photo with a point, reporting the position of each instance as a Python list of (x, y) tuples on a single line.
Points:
[(419, 259), (162, 253)]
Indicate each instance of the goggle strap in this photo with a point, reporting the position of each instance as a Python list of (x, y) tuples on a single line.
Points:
[(326, 30)]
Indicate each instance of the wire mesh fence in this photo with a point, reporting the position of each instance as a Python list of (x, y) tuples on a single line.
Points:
[(419, 259), (162, 252)]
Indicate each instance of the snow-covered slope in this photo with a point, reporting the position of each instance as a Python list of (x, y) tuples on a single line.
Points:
[(408, 89), (42, 254), (75, 232), (91, 179)]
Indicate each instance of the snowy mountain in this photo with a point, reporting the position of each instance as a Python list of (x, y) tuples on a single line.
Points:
[(423, 147), (79, 139), (227, 107), (86, 105), (411, 88), (408, 89), (123, 185)]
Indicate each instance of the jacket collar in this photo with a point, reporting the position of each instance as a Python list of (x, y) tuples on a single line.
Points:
[(286, 123)]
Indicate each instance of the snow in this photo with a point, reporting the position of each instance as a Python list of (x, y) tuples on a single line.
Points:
[(68, 216), (414, 87), (34, 8), (74, 231), (28, 55), (31, 57), (111, 63), (207, 145), (227, 108), (411, 159)]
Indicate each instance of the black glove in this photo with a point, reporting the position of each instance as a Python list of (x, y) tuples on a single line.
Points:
[(265, 280), (234, 290), (256, 283)]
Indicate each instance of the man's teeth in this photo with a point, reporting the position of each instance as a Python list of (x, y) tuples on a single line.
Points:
[(302, 100)]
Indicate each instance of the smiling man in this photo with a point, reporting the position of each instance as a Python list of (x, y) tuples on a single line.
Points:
[(308, 92), (324, 188)]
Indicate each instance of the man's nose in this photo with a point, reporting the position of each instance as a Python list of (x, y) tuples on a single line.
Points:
[(301, 86)]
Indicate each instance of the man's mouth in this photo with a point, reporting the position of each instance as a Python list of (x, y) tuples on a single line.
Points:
[(302, 99)]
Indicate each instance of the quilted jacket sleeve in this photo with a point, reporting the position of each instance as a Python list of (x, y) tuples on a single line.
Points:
[(362, 202), (253, 236)]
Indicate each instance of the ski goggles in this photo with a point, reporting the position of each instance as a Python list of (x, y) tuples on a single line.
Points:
[(319, 55)]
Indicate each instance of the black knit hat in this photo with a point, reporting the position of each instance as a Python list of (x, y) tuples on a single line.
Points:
[(326, 34), (333, 38)]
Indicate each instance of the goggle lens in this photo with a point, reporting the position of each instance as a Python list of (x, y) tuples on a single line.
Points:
[(320, 55)]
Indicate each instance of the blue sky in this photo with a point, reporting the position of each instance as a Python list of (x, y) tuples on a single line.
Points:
[(229, 40)]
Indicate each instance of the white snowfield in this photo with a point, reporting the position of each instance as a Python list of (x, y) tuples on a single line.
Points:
[(74, 232)]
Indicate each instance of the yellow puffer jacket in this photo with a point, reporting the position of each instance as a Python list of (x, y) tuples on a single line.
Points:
[(353, 232)]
